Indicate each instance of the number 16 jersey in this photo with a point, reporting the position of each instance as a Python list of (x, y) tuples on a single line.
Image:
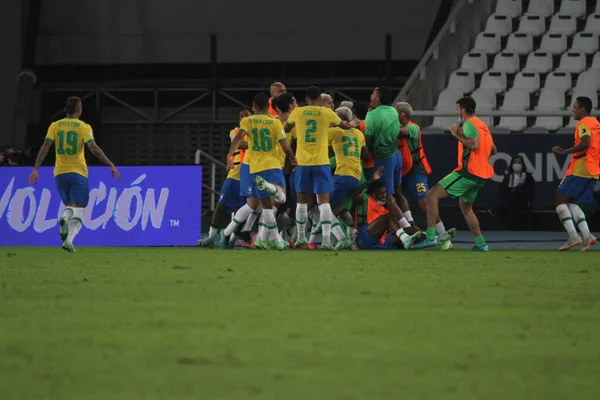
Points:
[(263, 133), (69, 136), (312, 123)]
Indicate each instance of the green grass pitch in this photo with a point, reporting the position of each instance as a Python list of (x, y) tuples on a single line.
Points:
[(186, 323)]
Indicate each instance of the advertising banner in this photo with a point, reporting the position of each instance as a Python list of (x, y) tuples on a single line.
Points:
[(150, 206)]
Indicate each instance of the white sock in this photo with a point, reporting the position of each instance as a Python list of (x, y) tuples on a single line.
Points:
[(301, 217), (579, 219), (402, 235), (440, 228), (270, 224), (76, 223), (337, 229), (240, 216), (326, 217), (409, 217), (67, 213), (263, 232), (214, 231), (252, 219), (567, 220), (276, 191), (404, 223)]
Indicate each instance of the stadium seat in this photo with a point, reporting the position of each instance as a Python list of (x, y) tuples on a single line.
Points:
[(499, 24), (520, 43), (597, 7), (441, 123), (570, 128), (585, 42), (558, 80), (513, 124), (541, 7), (575, 8), (554, 43), (447, 99), (588, 79), (512, 8), (551, 100), (533, 24), (463, 80), (596, 60), (507, 62), (489, 43), (494, 80), (563, 23), (516, 99), (485, 99), (475, 62), (593, 23), (545, 124), (527, 80), (539, 61), (572, 61)]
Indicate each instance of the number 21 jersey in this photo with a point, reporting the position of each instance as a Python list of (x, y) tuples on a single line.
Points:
[(312, 143), (69, 136), (263, 133)]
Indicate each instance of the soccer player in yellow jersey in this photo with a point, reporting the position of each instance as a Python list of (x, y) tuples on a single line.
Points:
[(230, 199), (349, 147), (70, 171), (264, 133), (581, 177), (313, 174)]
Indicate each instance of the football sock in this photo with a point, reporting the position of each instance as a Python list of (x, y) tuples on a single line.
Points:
[(440, 228), (301, 217), (240, 216), (579, 220), (567, 220), (76, 223), (326, 217)]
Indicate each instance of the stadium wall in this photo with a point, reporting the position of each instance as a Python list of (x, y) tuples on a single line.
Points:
[(10, 43)]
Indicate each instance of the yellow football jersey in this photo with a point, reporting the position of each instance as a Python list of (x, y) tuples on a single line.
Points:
[(237, 158), (580, 164), (69, 136), (312, 123), (280, 153), (347, 146), (263, 134)]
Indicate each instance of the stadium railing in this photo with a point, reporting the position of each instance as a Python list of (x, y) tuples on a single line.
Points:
[(212, 186)]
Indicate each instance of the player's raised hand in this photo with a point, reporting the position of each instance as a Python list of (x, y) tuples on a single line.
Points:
[(558, 150), (115, 172), (33, 177), (454, 129), (378, 173)]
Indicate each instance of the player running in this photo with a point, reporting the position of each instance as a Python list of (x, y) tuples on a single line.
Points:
[(415, 166), (264, 134), (580, 178), (475, 147), (70, 170), (313, 174), (230, 199)]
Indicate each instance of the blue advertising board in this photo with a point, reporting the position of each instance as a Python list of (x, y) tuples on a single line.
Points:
[(150, 206)]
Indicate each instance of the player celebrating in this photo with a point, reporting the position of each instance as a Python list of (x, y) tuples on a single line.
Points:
[(313, 174), (580, 178), (230, 199), (70, 170), (475, 147), (264, 135)]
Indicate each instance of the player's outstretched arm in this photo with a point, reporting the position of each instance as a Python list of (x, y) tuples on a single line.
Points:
[(97, 151), (33, 177), (376, 176)]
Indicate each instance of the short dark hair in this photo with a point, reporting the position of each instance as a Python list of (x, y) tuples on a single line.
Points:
[(313, 93), (375, 185), (245, 109), (385, 95), (360, 110), (468, 103), (261, 101), (585, 103), (71, 105), (284, 101)]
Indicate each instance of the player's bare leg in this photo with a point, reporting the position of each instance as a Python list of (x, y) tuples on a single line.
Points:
[(566, 218), (473, 224)]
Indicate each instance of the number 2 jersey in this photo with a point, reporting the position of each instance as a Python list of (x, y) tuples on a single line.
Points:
[(263, 133), (311, 123), (69, 136)]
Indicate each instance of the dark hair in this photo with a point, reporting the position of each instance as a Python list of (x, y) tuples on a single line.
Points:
[(283, 102), (512, 161), (245, 109), (360, 110), (585, 103), (468, 103), (71, 105), (261, 101), (313, 93), (375, 185), (385, 95)]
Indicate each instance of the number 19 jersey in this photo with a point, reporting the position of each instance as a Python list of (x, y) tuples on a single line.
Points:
[(263, 133), (69, 136), (312, 123)]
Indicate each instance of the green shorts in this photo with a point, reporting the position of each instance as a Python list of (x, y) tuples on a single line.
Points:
[(458, 185)]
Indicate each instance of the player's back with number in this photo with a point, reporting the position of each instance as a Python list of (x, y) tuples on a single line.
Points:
[(263, 132), (69, 136), (312, 123)]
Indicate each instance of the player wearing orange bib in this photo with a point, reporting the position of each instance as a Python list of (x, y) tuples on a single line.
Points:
[(581, 177), (70, 171)]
